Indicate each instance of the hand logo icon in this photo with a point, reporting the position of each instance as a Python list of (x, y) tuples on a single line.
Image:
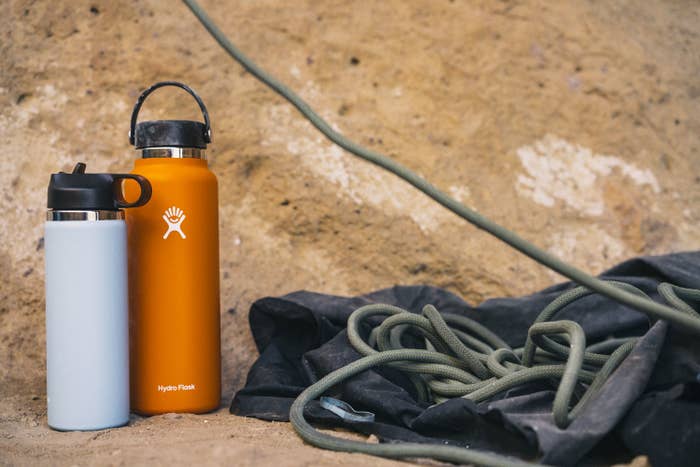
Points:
[(173, 217)]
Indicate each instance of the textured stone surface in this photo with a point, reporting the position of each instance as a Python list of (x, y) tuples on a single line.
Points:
[(575, 123)]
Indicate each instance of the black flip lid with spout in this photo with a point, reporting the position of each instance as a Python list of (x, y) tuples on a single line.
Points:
[(80, 191), (169, 133)]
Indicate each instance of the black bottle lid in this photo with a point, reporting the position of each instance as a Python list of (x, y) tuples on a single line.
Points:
[(80, 191), (169, 133), (173, 133)]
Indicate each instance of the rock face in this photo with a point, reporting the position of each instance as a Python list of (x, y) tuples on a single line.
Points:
[(575, 124)]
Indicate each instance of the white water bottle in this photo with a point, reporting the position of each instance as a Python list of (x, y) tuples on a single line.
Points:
[(87, 335)]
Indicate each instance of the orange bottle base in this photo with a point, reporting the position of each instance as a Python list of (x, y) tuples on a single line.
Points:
[(193, 409)]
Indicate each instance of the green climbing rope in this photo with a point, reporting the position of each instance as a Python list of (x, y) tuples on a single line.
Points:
[(461, 358)]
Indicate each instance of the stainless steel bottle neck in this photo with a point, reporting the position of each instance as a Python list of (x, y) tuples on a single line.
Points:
[(59, 215), (173, 153)]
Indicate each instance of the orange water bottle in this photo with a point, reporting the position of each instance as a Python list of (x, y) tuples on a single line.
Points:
[(173, 247)]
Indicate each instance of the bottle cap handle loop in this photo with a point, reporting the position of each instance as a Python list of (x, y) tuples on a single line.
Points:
[(147, 92)]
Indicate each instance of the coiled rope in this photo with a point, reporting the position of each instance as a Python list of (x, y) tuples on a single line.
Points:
[(487, 371), (462, 358)]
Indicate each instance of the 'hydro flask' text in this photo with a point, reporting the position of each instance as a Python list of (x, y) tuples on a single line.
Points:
[(179, 387)]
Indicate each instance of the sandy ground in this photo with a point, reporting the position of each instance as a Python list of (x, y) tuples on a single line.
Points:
[(171, 439), (575, 123)]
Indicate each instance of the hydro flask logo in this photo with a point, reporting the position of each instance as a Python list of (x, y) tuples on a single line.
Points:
[(173, 217)]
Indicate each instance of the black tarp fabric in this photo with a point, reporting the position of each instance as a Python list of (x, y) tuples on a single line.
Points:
[(650, 405)]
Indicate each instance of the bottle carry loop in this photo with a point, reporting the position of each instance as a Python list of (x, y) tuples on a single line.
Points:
[(145, 190), (148, 91)]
